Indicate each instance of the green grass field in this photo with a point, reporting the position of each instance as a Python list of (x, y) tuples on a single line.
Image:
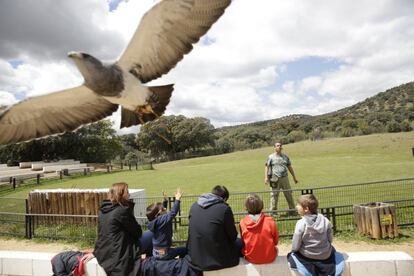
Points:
[(320, 163), (316, 163)]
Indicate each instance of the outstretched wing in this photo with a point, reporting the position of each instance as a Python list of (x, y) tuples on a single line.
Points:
[(50, 114), (166, 33)]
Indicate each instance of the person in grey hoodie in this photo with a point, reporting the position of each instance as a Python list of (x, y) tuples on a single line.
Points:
[(312, 241), (212, 233)]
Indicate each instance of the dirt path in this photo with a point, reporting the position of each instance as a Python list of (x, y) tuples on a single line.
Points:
[(27, 245)]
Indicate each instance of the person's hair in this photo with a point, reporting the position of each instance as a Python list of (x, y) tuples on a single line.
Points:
[(153, 210), (118, 193), (221, 191), (277, 142), (254, 204), (309, 201)]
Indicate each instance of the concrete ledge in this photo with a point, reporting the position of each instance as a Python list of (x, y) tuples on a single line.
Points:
[(378, 263), (390, 263), (53, 168)]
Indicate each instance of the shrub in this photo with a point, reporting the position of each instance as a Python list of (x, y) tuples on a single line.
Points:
[(296, 136), (393, 126), (405, 126)]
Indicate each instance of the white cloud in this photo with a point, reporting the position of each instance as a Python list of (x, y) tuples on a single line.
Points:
[(232, 79), (6, 98)]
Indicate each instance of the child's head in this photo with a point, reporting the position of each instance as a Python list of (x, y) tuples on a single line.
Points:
[(254, 204), (307, 204), (154, 210)]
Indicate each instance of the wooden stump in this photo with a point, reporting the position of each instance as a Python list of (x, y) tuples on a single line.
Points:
[(376, 219)]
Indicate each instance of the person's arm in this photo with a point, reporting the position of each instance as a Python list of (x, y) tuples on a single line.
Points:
[(329, 233), (229, 226), (292, 172), (266, 175), (165, 200), (130, 224), (297, 236), (87, 257), (174, 210), (275, 234)]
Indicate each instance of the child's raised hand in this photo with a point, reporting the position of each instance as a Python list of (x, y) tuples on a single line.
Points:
[(164, 194), (178, 194)]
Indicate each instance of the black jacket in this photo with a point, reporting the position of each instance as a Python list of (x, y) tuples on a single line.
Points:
[(212, 234), (117, 245)]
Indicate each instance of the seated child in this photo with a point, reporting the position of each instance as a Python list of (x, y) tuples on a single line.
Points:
[(259, 233), (312, 250), (160, 224)]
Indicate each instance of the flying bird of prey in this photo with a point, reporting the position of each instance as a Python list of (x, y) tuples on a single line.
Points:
[(165, 34)]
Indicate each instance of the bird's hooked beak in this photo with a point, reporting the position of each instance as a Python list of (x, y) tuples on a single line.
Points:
[(75, 55)]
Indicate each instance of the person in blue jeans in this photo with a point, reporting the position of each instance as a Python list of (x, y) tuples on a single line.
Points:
[(160, 224), (312, 250)]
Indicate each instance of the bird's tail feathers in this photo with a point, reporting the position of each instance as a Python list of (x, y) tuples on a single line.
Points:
[(128, 118), (160, 97), (158, 100)]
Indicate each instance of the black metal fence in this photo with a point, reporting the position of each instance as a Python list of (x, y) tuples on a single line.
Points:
[(335, 202), (40, 178)]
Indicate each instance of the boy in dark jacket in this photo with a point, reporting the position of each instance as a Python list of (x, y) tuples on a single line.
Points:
[(160, 224), (212, 234)]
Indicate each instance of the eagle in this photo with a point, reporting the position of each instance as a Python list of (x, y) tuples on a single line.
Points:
[(164, 35)]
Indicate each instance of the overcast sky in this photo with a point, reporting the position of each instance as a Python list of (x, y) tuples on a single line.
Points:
[(262, 60)]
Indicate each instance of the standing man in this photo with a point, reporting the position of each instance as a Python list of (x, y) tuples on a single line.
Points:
[(212, 235), (276, 175)]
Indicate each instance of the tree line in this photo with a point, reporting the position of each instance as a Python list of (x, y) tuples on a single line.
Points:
[(177, 137)]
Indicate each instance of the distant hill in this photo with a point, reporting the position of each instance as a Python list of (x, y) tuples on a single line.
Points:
[(388, 111)]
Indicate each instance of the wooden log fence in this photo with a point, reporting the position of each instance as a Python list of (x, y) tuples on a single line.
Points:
[(65, 203)]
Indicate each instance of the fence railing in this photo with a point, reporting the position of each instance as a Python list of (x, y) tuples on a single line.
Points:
[(335, 202), (40, 178)]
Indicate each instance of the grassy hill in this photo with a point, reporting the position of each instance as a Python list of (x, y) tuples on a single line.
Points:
[(317, 163), (388, 111)]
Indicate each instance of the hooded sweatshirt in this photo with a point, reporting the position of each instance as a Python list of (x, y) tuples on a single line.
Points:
[(162, 227), (260, 236), (313, 237), (117, 244), (212, 234)]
